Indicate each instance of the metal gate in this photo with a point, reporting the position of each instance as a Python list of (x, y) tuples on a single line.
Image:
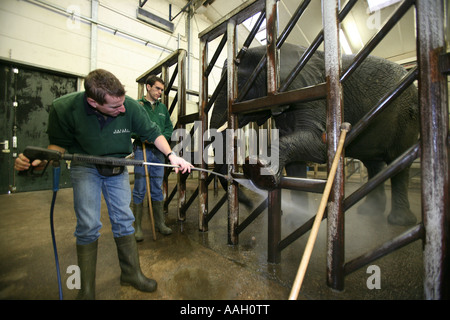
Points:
[(432, 148)]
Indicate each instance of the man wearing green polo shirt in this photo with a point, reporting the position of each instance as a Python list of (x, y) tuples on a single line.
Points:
[(159, 114), (99, 121)]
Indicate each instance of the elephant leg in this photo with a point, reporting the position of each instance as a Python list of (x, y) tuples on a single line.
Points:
[(298, 169), (375, 201), (400, 213)]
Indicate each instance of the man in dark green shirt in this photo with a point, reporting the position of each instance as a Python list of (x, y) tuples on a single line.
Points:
[(100, 121), (159, 114)]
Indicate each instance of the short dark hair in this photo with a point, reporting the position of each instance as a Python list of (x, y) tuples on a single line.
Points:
[(151, 79), (99, 83)]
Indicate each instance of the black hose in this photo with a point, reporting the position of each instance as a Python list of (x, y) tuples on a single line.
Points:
[(54, 245)]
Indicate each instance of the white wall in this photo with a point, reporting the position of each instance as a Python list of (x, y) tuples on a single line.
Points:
[(42, 33)]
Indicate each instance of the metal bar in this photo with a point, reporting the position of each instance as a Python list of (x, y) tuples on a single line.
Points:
[(272, 69), (142, 3), (384, 102), (292, 22), (335, 243), (172, 80), (222, 82), (169, 61), (276, 99), (434, 149), (395, 167), (312, 48), (174, 103), (216, 208), (203, 116), (252, 216), (181, 183), (415, 233), (444, 63), (300, 231), (216, 55), (195, 193), (302, 184), (274, 226), (365, 51), (250, 37), (189, 118), (182, 10), (165, 101), (232, 189), (262, 63), (170, 197), (241, 13)]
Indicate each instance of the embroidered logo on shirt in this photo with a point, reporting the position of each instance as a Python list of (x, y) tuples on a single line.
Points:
[(119, 131)]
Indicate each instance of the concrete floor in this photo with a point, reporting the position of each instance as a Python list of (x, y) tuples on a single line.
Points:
[(193, 265)]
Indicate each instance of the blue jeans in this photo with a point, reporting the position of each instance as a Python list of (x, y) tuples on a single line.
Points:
[(155, 173), (88, 186)]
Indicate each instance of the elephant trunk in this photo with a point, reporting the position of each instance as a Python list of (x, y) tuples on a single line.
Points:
[(265, 172)]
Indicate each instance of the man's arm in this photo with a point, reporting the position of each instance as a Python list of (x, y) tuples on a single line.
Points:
[(163, 146)]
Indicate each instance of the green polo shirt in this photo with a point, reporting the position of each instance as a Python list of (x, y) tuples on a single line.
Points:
[(75, 126), (159, 114)]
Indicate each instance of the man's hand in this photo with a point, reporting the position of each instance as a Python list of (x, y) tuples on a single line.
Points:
[(178, 161), (22, 163)]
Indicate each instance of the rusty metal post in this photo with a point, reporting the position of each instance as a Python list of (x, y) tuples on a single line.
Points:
[(181, 182), (233, 204), (434, 148), (335, 242), (203, 116), (274, 199), (165, 100)]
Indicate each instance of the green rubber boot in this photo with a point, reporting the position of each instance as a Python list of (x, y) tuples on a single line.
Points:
[(131, 274), (87, 261), (158, 214), (137, 211)]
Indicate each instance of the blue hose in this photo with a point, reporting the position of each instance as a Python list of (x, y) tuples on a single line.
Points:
[(56, 173)]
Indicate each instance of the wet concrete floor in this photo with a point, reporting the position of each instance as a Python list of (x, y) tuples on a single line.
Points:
[(194, 265)]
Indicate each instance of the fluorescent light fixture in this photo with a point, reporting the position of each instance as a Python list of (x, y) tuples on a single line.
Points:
[(344, 42), (375, 5)]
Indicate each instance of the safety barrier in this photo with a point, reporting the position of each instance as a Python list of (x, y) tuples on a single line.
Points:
[(432, 148)]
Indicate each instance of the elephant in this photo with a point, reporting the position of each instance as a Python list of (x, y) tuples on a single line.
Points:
[(302, 125)]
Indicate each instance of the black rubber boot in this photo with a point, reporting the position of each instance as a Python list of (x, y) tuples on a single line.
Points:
[(129, 264), (158, 214), (87, 261), (137, 211)]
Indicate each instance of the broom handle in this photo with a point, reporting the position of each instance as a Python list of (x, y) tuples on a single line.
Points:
[(147, 180), (315, 228)]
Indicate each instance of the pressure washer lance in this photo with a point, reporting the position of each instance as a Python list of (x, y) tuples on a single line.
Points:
[(33, 153)]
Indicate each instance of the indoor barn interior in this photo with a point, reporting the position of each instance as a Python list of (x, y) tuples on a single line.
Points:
[(224, 150)]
